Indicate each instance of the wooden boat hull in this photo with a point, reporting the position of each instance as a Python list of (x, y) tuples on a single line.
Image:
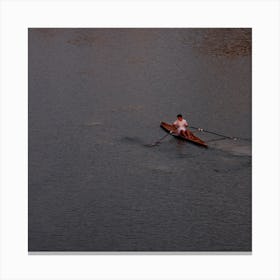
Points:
[(194, 139)]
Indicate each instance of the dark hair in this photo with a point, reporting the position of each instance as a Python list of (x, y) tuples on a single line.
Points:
[(179, 116)]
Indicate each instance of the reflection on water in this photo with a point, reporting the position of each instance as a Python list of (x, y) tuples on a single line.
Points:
[(96, 99), (230, 42)]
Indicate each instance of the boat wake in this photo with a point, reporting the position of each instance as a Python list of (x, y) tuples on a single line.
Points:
[(133, 140), (238, 147), (93, 123)]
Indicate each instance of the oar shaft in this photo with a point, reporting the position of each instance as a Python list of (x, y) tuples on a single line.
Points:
[(214, 133), (158, 141), (162, 138)]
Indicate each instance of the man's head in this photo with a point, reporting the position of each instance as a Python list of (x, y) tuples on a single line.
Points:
[(179, 117)]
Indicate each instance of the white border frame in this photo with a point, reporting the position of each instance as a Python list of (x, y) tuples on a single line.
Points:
[(17, 16)]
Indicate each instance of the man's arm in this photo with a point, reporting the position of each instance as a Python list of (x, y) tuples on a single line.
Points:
[(175, 124)]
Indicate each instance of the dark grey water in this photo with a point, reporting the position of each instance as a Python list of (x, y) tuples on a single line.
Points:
[(96, 97)]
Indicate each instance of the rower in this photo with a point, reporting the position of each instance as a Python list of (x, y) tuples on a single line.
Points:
[(181, 126)]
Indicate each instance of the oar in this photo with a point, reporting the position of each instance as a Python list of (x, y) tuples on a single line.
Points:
[(214, 133), (156, 143)]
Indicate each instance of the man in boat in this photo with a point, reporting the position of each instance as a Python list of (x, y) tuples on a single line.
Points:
[(181, 125)]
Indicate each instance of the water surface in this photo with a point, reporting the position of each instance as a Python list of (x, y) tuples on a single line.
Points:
[(96, 98)]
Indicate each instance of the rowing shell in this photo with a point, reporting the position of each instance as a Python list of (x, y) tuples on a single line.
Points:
[(194, 139)]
